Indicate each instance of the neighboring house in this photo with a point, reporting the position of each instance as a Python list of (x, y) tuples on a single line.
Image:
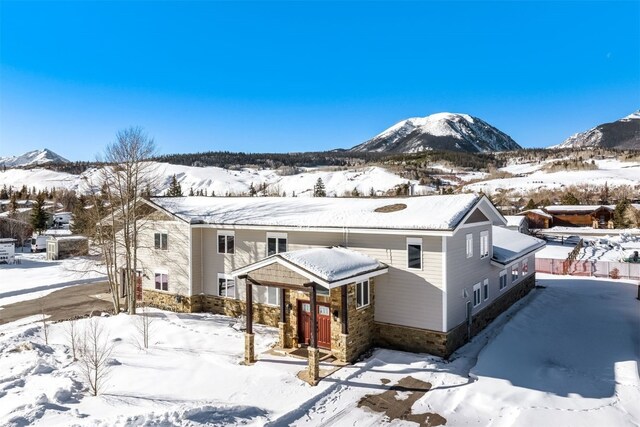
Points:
[(537, 218), (596, 216), (422, 274), (517, 223)]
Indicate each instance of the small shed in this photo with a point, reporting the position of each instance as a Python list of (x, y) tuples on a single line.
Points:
[(61, 247), (7, 251), (517, 223)]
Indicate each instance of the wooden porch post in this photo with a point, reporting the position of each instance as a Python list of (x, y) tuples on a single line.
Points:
[(345, 310), (282, 325), (249, 352), (314, 354)]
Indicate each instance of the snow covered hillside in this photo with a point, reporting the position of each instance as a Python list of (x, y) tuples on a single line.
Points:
[(32, 158), (537, 364), (623, 133), (228, 182), (532, 176), (441, 131)]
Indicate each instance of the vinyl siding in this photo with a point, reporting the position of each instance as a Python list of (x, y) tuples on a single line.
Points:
[(403, 297), (196, 261), (174, 260)]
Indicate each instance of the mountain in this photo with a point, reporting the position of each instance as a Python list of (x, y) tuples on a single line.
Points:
[(32, 158), (623, 133), (441, 131)]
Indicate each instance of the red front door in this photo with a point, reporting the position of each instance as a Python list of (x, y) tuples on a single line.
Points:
[(323, 314)]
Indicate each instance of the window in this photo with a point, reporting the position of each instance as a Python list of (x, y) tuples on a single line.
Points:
[(362, 294), (469, 245), (160, 241), (503, 279), (276, 243), (525, 267), (273, 295), (514, 273), (226, 286), (162, 281), (414, 253), (476, 295), (226, 242), (485, 289), (484, 244)]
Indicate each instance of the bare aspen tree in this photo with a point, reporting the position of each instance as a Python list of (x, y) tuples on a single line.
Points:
[(73, 337), (127, 175), (144, 325), (95, 351), (45, 324)]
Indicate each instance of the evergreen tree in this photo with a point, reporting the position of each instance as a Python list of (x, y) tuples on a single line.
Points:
[(569, 199), (4, 193), (39, 216), (175, 189), (530, 205), (13, 206), (191, 192), (252, 190), (620, 219), (318, 189)]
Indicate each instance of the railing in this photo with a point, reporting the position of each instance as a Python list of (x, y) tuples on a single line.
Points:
[(622, 270)]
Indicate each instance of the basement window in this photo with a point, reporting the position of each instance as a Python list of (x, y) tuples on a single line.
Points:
[(162, 281), (226, 286)]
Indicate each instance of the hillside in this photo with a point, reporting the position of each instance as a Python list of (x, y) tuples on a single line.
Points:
[(621, 134), (441, 131)]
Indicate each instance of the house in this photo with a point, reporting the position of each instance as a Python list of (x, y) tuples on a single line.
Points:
[(537, 218), (517, 223), (596, 216), (421, 274)]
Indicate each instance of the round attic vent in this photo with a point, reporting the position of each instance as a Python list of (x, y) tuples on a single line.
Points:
[(391, 208)]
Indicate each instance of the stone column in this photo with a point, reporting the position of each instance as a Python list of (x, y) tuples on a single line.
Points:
[(314, 365), (249, 355), (282, 334)]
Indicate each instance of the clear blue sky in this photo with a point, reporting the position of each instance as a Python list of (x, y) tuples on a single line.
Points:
[(302, 76)]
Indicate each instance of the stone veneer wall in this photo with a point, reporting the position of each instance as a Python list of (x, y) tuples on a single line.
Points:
[(444, 344), (167, 301), (262, 313)]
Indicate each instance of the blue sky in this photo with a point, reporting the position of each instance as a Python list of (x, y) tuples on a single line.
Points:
[(305, 76)]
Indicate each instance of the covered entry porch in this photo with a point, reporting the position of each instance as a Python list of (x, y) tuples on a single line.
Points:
[(325, 298)]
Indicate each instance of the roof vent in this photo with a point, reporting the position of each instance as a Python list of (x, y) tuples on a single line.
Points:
[(391, 208)]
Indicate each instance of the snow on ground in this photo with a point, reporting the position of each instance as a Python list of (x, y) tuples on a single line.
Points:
[(554, 250), (567, 354), (610, 247), (611, 171), (35, 276), (226, 181)]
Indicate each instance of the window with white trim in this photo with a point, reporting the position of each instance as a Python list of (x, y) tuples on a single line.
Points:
[(469, 245), (276, 243), (226, 286), (514, 273), (503, 279), (414, 253), (476, 295), (273, 295), (162, 281), (226, 242), (160, 240), (485, 290), (525, 267), (362, 294), (484, 244)]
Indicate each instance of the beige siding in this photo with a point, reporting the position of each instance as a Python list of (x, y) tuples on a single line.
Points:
[(174, 260), (196, 261), (403, 296)]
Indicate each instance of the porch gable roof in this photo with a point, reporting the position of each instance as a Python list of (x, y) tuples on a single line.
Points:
[(329, 267)]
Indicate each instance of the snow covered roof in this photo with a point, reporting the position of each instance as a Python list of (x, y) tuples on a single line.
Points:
[(514, 220), (537, 212), (329, 267), (575, 208), (509, 245), (442, 212)]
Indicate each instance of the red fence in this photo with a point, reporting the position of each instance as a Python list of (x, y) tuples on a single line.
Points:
[(625, 270)]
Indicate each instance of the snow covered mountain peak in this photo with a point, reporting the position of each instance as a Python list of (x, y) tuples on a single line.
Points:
[(623, 133), (440, 131), (31, 158)]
